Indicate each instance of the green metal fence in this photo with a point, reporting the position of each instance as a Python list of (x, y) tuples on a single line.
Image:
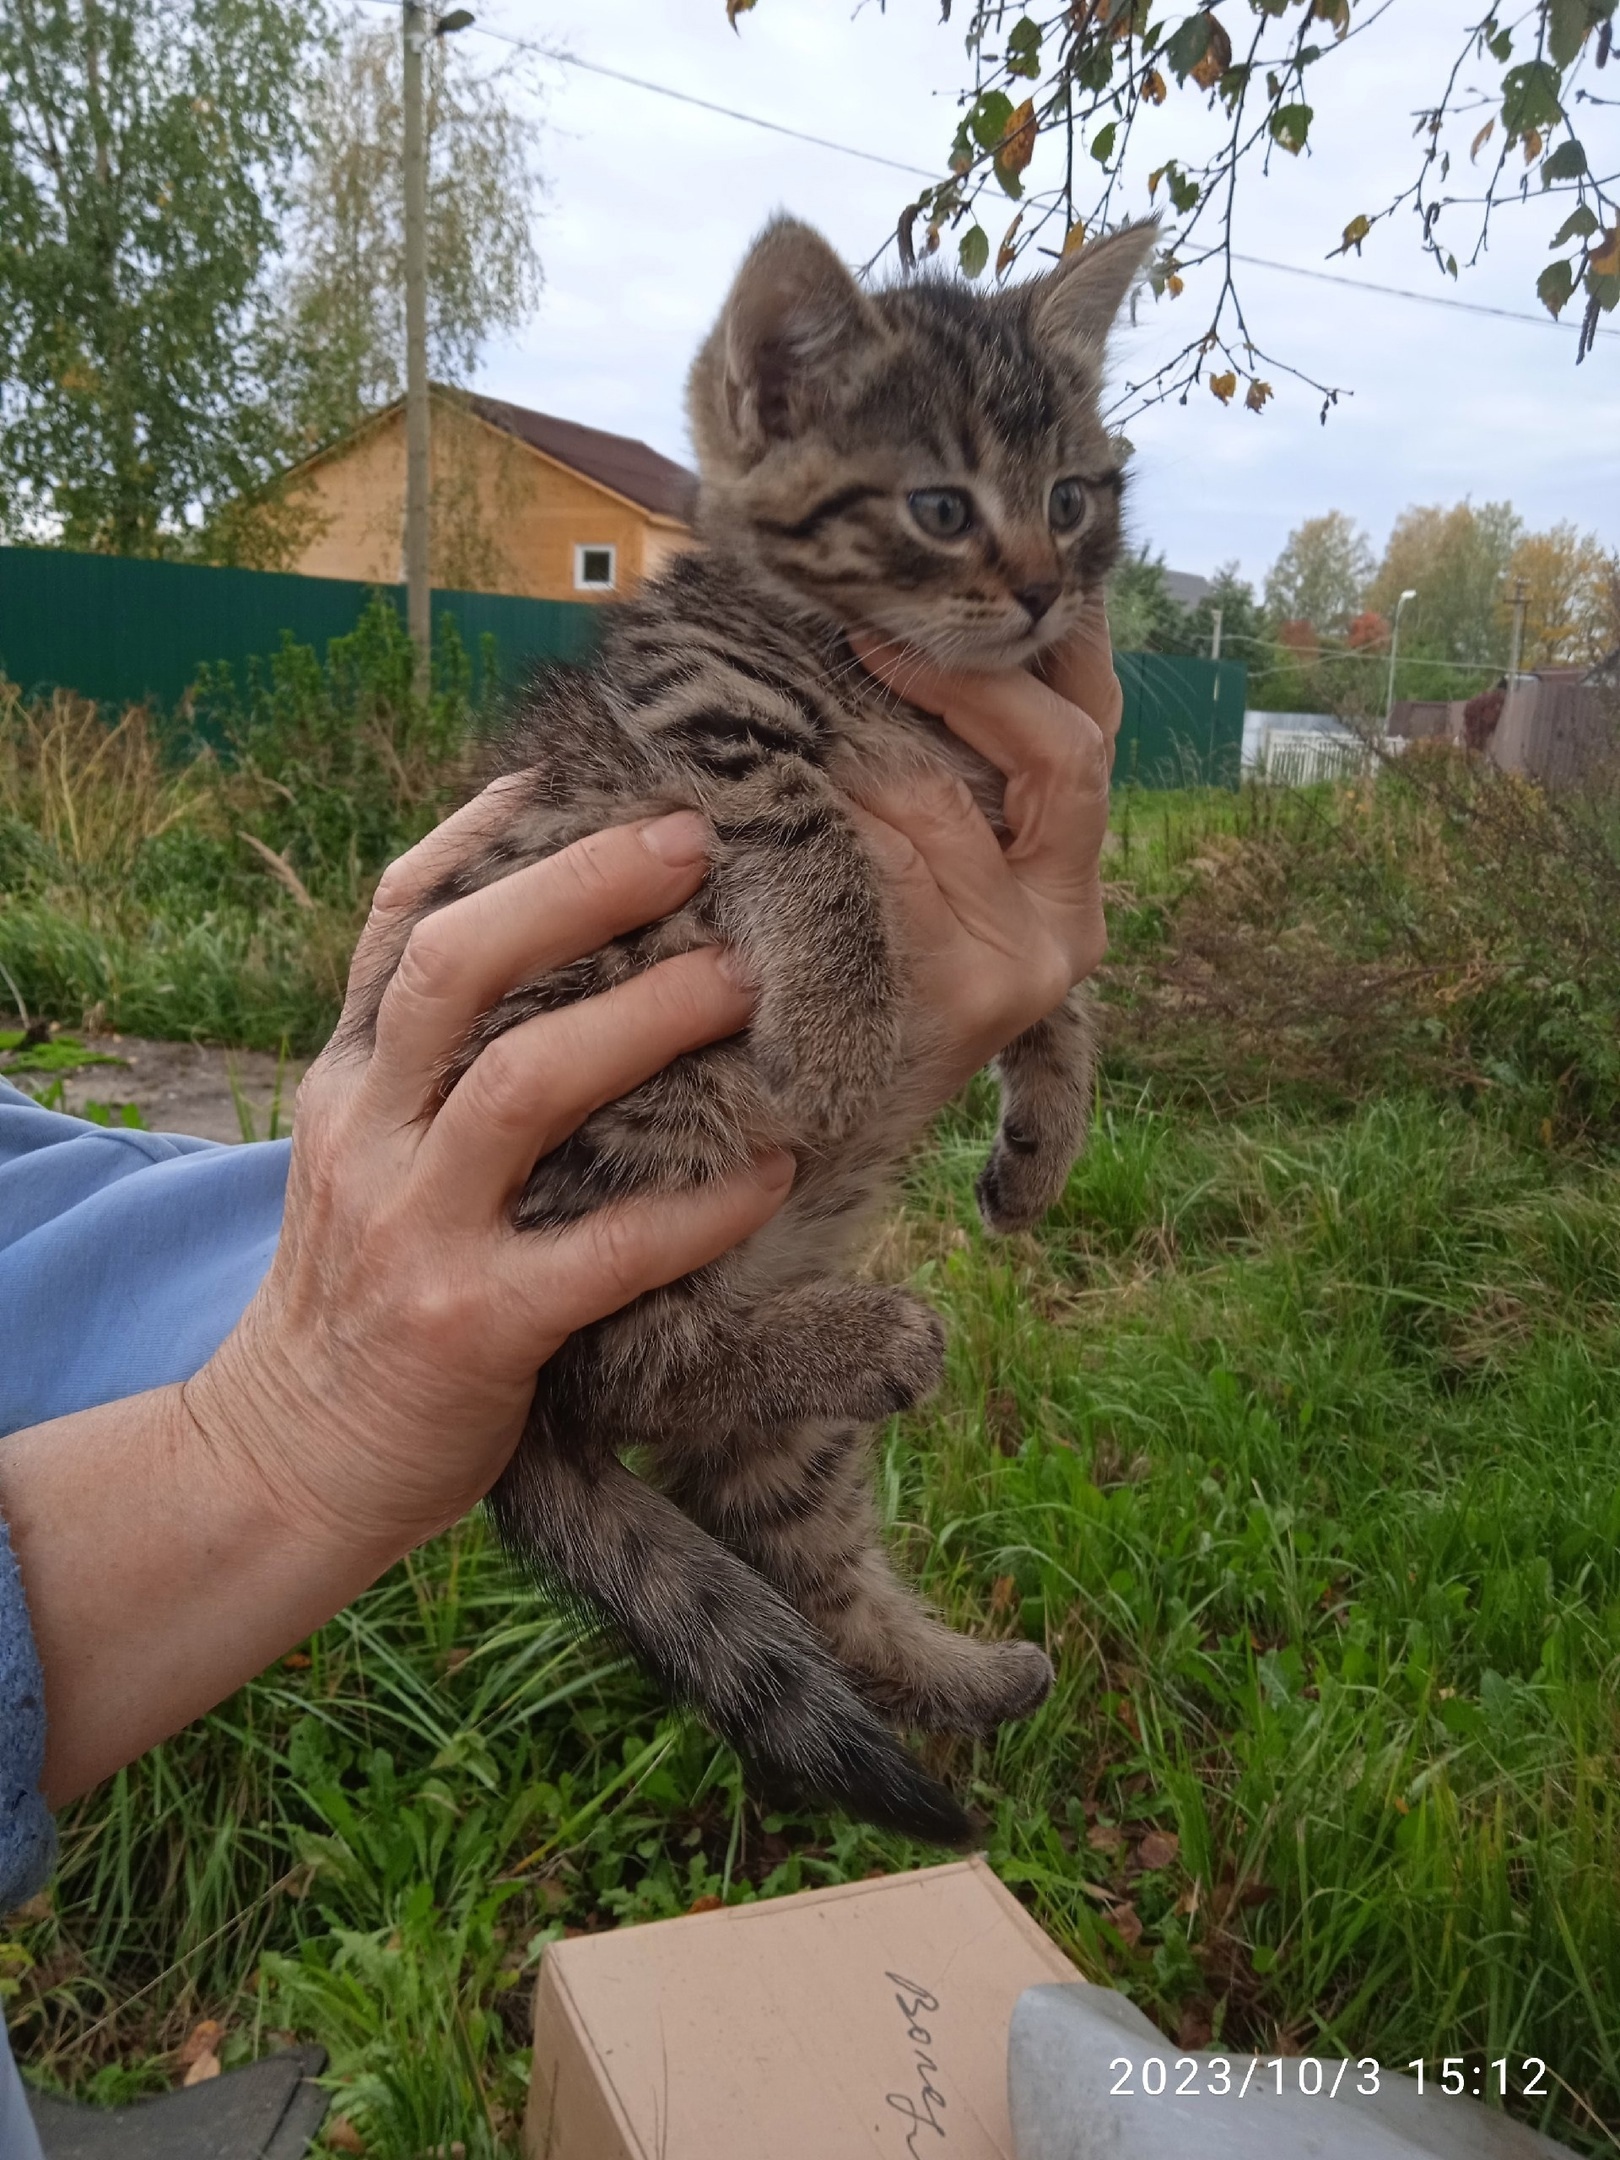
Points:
[(1183, 721), (119, 630)]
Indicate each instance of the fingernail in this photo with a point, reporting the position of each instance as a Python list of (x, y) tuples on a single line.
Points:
[(775, 1171), (681, 838), (734, 966)]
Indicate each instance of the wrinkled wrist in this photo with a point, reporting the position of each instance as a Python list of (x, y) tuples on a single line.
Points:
[(270, 1417), (336, 1459)]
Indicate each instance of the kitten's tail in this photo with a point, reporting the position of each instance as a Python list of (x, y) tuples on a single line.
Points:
[(712, 1633)]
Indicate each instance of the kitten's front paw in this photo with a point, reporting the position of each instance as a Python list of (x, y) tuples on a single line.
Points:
[(911, 1362), (1018, 1185)]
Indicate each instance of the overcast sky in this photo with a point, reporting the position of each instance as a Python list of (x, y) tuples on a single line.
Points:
[(651, 204)]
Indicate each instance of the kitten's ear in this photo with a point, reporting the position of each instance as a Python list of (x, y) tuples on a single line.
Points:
[(1087, 289), (792, 315)]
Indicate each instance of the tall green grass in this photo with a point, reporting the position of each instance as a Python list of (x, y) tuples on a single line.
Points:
[(216, 893)]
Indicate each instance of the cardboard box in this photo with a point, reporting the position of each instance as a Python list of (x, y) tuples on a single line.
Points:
[(867, 2022)]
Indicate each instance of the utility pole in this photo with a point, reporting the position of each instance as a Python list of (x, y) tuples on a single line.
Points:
[(1521, 598), (1216, 617), (418, 466)]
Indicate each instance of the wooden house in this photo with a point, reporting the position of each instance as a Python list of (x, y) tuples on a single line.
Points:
[(522, 502)]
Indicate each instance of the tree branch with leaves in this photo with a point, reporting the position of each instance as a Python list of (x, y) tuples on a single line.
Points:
[(1199, 104)]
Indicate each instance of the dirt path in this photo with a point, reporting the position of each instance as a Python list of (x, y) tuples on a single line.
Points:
[(186, 1087)]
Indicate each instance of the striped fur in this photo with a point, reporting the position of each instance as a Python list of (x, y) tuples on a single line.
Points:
[(744, 1568)]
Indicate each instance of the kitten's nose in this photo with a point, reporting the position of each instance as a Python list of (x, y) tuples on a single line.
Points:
[(1036, 599)]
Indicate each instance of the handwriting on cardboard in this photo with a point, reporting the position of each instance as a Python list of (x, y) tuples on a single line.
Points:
[(922, 2107)]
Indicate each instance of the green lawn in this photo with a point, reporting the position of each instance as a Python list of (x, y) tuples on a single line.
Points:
[(1295, 1434)]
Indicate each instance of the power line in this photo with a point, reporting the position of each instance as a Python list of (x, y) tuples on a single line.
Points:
[(920, 172), (685, 97), (729, 112), (1318, 655), (822, 142), (1402, 292)]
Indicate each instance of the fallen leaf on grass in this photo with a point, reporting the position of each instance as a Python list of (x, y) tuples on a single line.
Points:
[(204, 2068), (1158, 1848), (1128, 1922), (1105, 1838), (203, 2039), (1196, 2028), (343, 2137)]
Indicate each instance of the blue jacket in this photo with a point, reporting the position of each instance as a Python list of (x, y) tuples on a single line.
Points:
[(126, 1258)]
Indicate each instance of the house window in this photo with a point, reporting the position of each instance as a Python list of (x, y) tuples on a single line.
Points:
[(596, 569)]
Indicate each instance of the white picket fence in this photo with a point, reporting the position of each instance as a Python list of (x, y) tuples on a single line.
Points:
[(1294, 757), (1294, 749)]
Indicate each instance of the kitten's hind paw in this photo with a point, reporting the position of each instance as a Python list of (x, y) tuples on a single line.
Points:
[(876, 1783), (1022, 1680), (969, 1687)]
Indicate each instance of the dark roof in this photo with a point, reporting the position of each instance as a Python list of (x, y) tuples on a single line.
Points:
[(618, 461), (1186, 588)]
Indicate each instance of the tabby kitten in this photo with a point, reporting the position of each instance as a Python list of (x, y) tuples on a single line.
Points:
[(930, 462)]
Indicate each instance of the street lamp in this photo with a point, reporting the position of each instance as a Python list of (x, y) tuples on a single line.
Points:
[(1394, 642), (1521, 598), (418, 449)]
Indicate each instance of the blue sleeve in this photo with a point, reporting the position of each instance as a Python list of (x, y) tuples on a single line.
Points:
[(27, 1834), (126, 1258)]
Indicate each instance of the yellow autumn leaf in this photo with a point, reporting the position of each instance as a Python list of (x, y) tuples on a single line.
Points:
[(1017, 144), (1532, 146), (734, 8), (1008, 250), (1075, 238), (1154, 178), (1354, 233), (1175, 285), (1257, 394), (1153, 89), (1224, 386), (1217, 55), (1605, 259), (1481, 139)]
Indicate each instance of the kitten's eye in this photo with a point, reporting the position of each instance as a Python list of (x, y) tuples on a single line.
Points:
[(1066, 505), (943, 513)]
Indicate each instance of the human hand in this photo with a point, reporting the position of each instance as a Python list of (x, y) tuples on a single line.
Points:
[(1001, 934), (381, 1377)]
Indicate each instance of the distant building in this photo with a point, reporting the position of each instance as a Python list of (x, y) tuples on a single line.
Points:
[(1186, 588), (1552, 725), (522, 503)]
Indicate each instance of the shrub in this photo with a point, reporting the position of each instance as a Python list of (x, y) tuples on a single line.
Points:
[(217, 893)]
